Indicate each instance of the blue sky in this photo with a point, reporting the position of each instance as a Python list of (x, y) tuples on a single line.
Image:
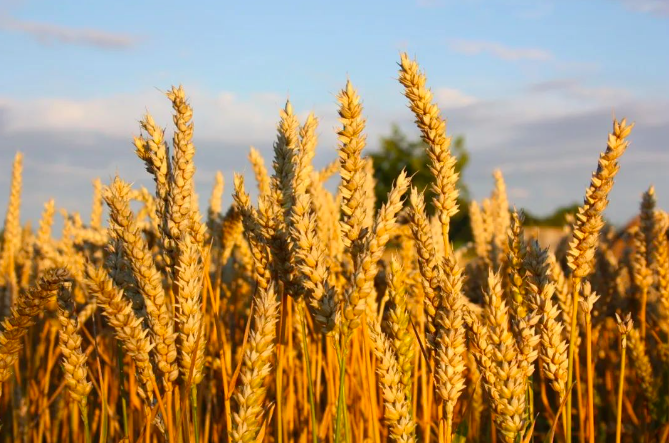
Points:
[(532, 85)]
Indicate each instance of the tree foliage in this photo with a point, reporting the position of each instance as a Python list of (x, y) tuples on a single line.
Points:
[(557, 218), (397, 152)]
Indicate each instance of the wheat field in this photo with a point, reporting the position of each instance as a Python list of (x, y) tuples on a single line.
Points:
[(307, 315)]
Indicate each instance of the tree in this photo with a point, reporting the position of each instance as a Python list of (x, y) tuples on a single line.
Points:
[(558, 218), (396, 152)]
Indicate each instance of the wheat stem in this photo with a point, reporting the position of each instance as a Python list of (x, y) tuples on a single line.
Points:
[(310, 384)]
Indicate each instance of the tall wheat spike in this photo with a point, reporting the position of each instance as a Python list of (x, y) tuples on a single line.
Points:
[(147, 277), (433, 129), (256, 369)]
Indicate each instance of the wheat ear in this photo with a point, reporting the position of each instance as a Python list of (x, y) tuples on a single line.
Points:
[(260, 171), (127, 326), (74, 360), (589, 220), (427, 261), (397, 323), (11, 237), (147, 277), (450, 346), (355, 297), (28, 305), (183, 215), (433, 129), (352, 188), (189, 318), (256, 369), (397, 411), (46, 223)]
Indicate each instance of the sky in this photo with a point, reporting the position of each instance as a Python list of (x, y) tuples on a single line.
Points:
[(532, 85)]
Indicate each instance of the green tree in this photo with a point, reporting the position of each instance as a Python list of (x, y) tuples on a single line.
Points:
[(557, 218), (397, 152)]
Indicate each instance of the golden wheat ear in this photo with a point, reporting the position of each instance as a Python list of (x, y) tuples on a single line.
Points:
[(433, 130), (127, 327), (28, 305), (149, 281), (74, 360), (256, 369)]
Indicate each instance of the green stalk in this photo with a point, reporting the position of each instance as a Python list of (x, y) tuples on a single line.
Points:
[(279, 367), (530, 398), (590, 378), (178, 417), (312, 402), (105, 414), (340, 399), (576, 283), (84, 418), (193, 404), (123, 393), (621, 383)]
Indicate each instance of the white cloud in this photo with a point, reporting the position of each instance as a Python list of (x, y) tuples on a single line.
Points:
[(498, 50), (519, 193), (575, 89), (222, 116), (449, 98), (545, 138), (659, 7), (48, 33), (429, 3)]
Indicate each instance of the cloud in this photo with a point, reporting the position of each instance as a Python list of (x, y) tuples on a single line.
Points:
[(545, 138), (220, 116), (453, 98), (429, 3), (49, 34), (548, 143), (498, 50), (658, 7), (573, 88), (519, 193), (68, 142)]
